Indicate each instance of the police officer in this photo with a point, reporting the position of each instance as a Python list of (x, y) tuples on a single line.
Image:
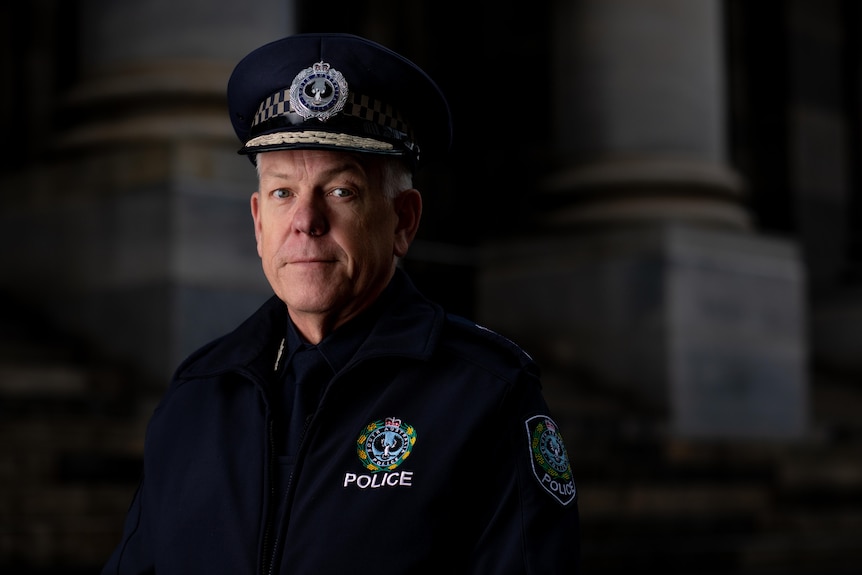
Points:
[(349, 425)]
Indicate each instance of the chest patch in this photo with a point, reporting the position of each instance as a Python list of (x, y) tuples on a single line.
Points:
[(383, 445), (549, 459)]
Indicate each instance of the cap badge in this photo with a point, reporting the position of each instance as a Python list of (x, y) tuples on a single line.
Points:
[(318, 92)]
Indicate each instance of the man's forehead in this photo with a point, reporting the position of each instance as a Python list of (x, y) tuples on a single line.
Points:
[(297, 163)]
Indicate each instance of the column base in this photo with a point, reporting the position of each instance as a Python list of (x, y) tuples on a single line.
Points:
[(705, 326)]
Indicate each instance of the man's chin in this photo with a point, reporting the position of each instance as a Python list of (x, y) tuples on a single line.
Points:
[(318, 297)]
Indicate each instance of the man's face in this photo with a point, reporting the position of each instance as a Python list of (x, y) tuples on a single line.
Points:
[(326, 234)]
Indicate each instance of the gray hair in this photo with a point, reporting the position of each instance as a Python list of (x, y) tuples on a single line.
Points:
[(396, 177)]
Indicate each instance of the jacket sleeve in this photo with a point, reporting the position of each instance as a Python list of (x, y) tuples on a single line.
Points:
[(133, 555), (535, 528)]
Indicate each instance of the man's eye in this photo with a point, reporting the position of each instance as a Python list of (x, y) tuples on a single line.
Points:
[(341, 192), (280, 193)]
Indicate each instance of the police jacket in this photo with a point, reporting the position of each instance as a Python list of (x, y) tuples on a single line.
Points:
[(431, 451)]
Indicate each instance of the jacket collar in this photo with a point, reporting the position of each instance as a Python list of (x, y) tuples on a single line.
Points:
[(409, 326)]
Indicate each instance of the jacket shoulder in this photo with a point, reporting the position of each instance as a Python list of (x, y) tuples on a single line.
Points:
[(487, 348)]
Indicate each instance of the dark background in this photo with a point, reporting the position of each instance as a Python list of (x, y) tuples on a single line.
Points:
[(650, 501)]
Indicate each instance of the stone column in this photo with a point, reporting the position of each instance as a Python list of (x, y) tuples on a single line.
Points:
[(651, 281), (640, 117), (144, 207)]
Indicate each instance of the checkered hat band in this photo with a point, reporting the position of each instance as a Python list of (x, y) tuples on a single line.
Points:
[(276, 105), (358, 106)]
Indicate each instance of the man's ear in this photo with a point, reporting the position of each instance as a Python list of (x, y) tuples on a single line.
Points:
[(408, 209), (255, 215)]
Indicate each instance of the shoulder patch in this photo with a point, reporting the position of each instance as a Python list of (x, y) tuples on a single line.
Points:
[(549, 458)]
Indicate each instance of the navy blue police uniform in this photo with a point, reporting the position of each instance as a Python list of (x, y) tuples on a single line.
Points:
[(426, 445)]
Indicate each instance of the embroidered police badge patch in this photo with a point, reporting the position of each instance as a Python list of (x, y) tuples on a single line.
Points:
[(549, 458), (384, 444)]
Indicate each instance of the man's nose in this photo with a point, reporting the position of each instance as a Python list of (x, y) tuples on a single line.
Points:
[(310, 216)]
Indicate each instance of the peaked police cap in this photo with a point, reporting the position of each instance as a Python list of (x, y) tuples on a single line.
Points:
[(339, 92)]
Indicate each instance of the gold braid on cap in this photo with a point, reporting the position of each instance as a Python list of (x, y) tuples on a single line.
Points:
[(318, 137)]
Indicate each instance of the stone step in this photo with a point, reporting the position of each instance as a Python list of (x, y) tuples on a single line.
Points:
[(34, 380), (670, 547), (61, 525)]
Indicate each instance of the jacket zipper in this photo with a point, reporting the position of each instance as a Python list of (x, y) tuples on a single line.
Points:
[(271, 531), (273, 520), (268, 539)]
